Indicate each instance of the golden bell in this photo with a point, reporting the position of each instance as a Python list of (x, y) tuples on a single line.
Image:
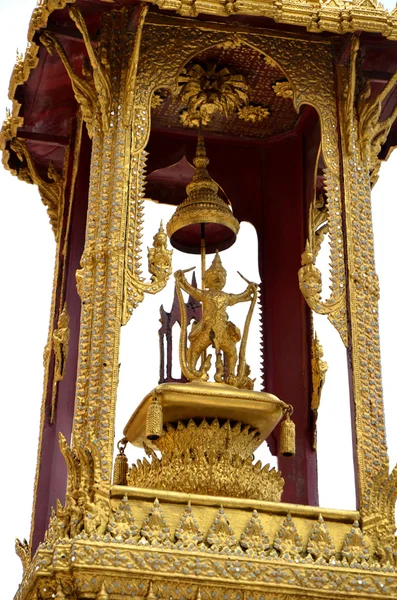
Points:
[(120, 469), (154, 420), (202, 208), (287, 436)]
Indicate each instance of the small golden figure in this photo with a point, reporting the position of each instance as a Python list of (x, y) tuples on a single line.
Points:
[(214, 328), (319, 371), (159, 257), (60, 339)]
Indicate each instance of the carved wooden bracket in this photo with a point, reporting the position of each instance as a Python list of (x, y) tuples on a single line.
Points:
[(372, 133), (310, 280), (92, 89), (51, 192), (160, 268)]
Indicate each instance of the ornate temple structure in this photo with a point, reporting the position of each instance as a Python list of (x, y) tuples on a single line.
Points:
[(276, 112)]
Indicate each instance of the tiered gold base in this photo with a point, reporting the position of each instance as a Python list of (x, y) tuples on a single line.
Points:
[(155, 544), (208, 458), (211, 432), (169, 545)]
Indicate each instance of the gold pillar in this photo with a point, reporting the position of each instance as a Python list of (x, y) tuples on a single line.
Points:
[(109, 281), (376, 488), (100, 280)]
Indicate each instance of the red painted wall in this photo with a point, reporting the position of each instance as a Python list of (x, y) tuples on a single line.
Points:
[(52, 479)]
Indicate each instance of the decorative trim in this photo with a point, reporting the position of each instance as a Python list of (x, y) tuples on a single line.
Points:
[(51, 192), (377, 488), (60, 345)]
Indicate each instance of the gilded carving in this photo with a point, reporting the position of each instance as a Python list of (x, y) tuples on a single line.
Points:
[(220, 536), (91, 537), (118, 560), (23, 65), (310, 278), (155, 71), (154, 530), (270, 61), (83, 86), (320, 545), (157, 100), (355, 548), (41, 13), (59, 271), (376, 486), (350, 99), (332, 15), (188, 535), (253, 539), (87, 505), (100, 64), (288, 542), (51, 191), (23, 551), (159, 266), (283, 89), (60, 344), (359, 108), (92, 89), (253, 114), (212, 89), (307, 66), (129, 87), (9, 131), (214, 329), (372, 132), (379, 522), (102, 263), (226, 470), (319, 371)]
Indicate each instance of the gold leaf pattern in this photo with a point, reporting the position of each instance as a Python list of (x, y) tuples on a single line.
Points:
[(188, 534), (287, 541), (154, 529), (121, 521), (355, 549), (320, 544), (253, 539), (220, 536)]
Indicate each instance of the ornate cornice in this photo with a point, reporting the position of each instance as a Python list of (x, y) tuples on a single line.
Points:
[(212, 553), (22, 69), (334, 16)]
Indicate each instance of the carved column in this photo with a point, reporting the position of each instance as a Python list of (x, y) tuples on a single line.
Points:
[(109, 281), (376, 488), (101, 275)]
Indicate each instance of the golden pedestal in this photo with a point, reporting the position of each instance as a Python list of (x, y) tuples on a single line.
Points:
[(210, 434), (198, 400)]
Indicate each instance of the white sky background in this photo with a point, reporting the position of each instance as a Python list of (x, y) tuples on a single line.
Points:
[(27, 258)]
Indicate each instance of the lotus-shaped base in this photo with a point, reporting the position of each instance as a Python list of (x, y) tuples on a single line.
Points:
[(207, 442)]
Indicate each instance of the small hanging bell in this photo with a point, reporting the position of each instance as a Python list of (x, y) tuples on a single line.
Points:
[(154, 419), (287, 434), (120, 469)]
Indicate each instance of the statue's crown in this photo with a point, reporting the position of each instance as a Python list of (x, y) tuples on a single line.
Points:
[(216, 266), (160, 237)]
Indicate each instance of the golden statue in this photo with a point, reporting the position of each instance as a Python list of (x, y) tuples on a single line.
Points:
[(214, 328), (159, 258), (60, 339)]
